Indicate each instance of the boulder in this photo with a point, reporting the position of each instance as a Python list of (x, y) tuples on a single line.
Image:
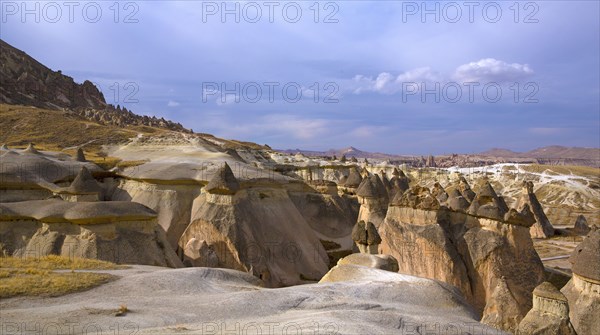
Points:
[(383, 262)]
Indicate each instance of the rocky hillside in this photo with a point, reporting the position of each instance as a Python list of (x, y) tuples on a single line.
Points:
[(27, 82)]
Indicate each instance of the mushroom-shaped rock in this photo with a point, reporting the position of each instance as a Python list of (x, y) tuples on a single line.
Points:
[(373, 237), (581, 226), (439, 192), (541, 228), (416, 197), (80, 157), (31, 149), (399, 182), (84, 183), (465, 189), (371, 187), (364, 173), (223, 182), (524, 217), (354, 178), (457, 202), (586, 257), (366, 237), (487, 204), (359, 233), (583, 290), (549, 315), (395, 172)]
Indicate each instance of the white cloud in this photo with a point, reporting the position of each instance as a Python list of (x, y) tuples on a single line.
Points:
[(173, 103), (492, 70), (387, 83), (483, 71)]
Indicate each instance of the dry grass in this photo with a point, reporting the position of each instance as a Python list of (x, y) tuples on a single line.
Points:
[(53, 262), (33, 282), (35, 276)]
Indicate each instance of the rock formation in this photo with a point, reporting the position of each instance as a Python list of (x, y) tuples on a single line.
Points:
[(581, 226), (549, 315), (583, 290), (373, 200), (259, 230), (80, 156), (83, 188), (399, 182), (470, 246), (223, 182), (120, 232), (354, 178), (383, 262), (366, 237), (31, 150), (542, 228)]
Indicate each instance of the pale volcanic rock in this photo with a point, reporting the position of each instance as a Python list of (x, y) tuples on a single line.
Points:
[(542, 228), (208, 300), (373, 199), (383, 262), (549, 315), (120, 232), (257, 230), (583, 290), (492, 262)]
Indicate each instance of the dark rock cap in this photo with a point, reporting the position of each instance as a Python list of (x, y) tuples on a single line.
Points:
[(354, 178), (586, 257), (223, 182)]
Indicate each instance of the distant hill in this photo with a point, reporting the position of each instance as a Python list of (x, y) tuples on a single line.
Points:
[(348, 152), (550, 152)]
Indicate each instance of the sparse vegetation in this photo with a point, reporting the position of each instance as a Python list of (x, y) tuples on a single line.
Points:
[(35, 276)]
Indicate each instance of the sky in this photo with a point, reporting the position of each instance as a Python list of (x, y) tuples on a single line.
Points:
[(398, 77)]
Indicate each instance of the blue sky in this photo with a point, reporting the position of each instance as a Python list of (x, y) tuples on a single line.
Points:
[(387, 77)]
